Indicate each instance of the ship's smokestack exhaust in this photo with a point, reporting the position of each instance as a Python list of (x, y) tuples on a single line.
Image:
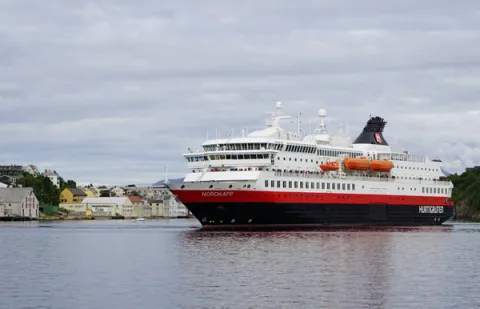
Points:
[(372, 132)]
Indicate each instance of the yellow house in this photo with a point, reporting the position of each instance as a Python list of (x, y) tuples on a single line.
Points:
[(89, 192), (96, 191), (72, 196)]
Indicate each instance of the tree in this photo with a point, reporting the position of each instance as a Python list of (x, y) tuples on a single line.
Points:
[(45, 191), (134, 193)]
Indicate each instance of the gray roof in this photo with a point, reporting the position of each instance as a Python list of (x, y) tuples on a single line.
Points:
[(77, 192), (14, 195)]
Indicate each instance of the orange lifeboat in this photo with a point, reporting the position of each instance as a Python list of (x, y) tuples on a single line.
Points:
[(356, 164), (330, 166), (381, 165)]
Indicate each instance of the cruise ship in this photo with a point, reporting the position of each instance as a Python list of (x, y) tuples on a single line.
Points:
[(273, 178)]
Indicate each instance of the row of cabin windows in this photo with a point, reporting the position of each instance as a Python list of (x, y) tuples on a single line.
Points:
[(435, 190), (301, 148), (418, 168), (243, 146), (402, 157), (244, 156), (309, 185), (301, 160), (337, 152), (197, 159)]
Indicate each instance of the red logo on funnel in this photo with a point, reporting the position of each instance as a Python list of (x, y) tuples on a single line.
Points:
[(378, 137)]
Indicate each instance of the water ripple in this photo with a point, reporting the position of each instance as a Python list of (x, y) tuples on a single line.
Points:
[(166, 264)]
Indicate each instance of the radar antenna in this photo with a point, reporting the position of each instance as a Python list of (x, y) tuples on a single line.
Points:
[(321, 127), (276, 116)]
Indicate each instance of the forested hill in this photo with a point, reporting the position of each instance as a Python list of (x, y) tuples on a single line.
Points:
[(466, 193)]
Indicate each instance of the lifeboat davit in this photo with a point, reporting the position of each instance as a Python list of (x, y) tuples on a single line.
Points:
[(356, 164), (381, 166), (330, 166)]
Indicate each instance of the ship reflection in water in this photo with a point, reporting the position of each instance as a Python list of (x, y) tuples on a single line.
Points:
[(370, 268), (167, 264)]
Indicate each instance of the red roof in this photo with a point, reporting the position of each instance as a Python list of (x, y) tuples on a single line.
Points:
[(135, 199)]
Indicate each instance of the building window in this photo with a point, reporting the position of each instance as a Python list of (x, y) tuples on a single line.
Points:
[(278, 183), (348, 186), (301, 184), (296, 184), (306, 185), (284, 184), (289, 184), (328, 186), (266, 183), (353, 186), (272, 183), (323, 186), (343, 186), (318, 186)]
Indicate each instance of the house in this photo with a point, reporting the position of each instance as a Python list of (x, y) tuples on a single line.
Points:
[(95, 191), (53, 176), (117, 191), (90, 192), (71, 199), (10, 173), (72, 196), (140, 207), (173, 208), (108, 206), (18, 202), (9, 180)]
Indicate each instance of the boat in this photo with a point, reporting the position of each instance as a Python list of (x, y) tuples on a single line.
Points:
[(330, 166), (275, 178), (139, 219)]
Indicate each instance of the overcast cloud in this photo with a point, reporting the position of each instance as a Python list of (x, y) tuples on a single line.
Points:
[(112, 91)]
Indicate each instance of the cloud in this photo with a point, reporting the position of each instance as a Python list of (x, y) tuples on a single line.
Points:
[(113, 91)]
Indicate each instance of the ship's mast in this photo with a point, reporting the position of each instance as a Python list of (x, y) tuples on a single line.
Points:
[(321, 127), (276, 116)]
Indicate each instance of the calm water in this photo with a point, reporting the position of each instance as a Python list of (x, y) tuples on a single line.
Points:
[(167, 264)]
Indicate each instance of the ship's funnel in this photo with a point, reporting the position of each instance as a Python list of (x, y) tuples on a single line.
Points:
[(372, 132)]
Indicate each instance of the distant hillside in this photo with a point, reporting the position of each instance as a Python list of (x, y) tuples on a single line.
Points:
[(466, 194)]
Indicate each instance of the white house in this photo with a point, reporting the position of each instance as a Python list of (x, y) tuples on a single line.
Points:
[(173, 208), (117, 192), (18, 202), (108, 206), (53, 177)]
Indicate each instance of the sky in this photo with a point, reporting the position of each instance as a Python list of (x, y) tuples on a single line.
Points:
[(114, 91)]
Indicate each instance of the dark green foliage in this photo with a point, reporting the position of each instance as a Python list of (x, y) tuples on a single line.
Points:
[(467, 187), (45, 191)]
